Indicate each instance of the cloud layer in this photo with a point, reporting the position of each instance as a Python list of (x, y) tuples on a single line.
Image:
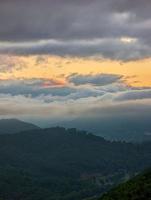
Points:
[(114, 29), (94, 97)]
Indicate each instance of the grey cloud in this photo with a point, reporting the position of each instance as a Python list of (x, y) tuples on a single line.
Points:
[(105, 87), (134, 95), (65, 21), (34, 87), (22, 106), (95, 106), (47, 90), (115, 103), (51, 19), (108, 48), (96, 80)]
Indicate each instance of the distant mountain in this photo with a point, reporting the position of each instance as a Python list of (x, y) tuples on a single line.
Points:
[(139, 188), (119, 129), (65, 164), (10, 126)]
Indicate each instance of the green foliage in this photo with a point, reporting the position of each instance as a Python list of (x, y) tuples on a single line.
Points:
[(139, 188)]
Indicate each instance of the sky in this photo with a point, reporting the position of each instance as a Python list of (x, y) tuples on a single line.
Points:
[(62, 60)]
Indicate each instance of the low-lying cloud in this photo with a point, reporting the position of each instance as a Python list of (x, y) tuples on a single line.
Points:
[(92, 98)]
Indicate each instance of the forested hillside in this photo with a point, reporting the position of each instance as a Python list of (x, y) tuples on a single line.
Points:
[(65, 164), (139, 188)]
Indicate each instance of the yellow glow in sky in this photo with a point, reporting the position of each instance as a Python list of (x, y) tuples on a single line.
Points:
[(136, 73)]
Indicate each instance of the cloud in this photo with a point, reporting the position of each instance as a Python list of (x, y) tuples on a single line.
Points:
[(76, 87), (106, 87), (96, 80), (104, 110), (77, 28), (94, 100), (33, 87), (134, 95), (110, 48), (9, 63), (21, 106), (90, 113)]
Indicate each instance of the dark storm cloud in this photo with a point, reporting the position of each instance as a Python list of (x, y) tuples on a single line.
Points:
[(23, 20), (69, 19), (82, 20)]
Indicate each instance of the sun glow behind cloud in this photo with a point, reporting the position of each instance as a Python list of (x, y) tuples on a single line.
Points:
[(128, 40)]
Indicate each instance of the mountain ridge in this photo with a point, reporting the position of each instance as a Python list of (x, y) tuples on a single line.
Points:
[(68, 163), (11, 126)]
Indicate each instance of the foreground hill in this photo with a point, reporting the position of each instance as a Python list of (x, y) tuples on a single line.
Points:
[(139, 188), (9, 126), (61, 164)]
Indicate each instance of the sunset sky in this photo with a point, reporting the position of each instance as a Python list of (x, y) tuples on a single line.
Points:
[(66, 59)]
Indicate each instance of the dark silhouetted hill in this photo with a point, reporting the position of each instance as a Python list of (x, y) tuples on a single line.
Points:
[(10, 126)]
